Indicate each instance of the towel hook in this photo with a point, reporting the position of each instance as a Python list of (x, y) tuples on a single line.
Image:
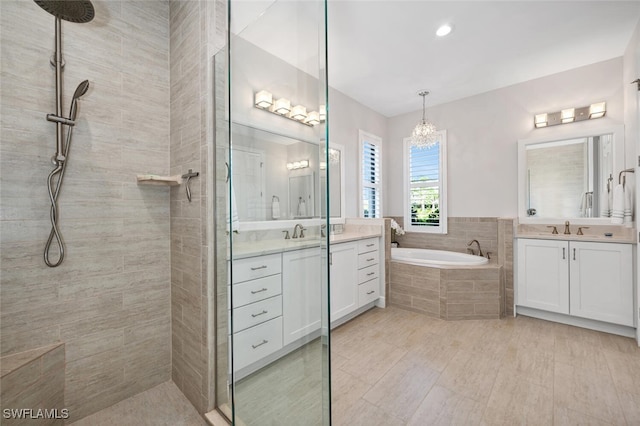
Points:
[(622, 178), (188, 176)]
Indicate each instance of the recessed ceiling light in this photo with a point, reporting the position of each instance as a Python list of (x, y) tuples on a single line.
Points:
[(443, 30)]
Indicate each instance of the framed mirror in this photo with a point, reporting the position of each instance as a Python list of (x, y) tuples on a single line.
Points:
[(569, 175)]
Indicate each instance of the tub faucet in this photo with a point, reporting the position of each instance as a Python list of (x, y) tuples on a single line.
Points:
[(479, 249)]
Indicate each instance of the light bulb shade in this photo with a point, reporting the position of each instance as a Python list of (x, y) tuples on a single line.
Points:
[(282, 106), (597, 110), (567, 115), (323, 165), (289, 166), (540, 120), (304, 163), (313, 118), (299, 112), (263, 99), (424, 135), (323, 112)]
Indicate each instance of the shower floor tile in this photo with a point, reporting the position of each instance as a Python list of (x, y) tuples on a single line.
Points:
[(163, 405)]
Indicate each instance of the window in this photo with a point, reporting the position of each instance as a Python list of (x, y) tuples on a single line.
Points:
[(425, 192), (370, 175)]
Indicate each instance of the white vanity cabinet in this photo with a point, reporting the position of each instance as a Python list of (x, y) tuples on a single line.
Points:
[(368, 271), (601, 281), (256, 308), (543, 275), (583, 279), (343, 279), (301, 293)]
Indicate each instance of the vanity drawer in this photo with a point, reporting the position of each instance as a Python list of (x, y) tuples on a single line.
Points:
[(371, 244), (256, 313), (256, 267), (368, 259), (256, 290), (368, 273), (368, 292), (257, 342)]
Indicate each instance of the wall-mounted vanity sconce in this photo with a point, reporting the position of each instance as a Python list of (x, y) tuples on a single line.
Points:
[(282, 107), (298, 165), (570, 115)]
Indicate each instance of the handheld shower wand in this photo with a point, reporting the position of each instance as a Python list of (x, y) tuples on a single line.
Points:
[(80, 11)]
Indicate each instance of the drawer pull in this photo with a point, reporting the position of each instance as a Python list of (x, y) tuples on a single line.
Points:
[(264, 342), (370, 245), (371, 273), (371, 259), (258, 314), (258, 291), (259, 267), (371, 292)]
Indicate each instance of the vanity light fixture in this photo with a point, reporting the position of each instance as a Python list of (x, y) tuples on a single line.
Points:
[(313, 118), (540, 120), (264, 100), (570, 115), (282, 106), (298, 113), (597, 110), (567, 115), (302, 164)]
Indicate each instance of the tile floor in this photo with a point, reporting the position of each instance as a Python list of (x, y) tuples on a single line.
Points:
[(394, 367)]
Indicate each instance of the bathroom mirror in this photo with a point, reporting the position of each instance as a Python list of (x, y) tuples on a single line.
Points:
[(277, 177), (301, 196), (569, 175)]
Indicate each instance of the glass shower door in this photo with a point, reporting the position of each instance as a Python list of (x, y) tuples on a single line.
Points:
[(272, 285)]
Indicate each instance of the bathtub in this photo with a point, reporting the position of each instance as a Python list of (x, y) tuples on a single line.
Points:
[(435, 258)]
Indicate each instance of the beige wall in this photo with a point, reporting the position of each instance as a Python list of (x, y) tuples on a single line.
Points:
[(110, 299), (483, 130)]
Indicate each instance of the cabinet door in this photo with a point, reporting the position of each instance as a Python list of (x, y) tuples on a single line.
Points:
[(601, 281), (343, 279), (301, 293), (543, 275)]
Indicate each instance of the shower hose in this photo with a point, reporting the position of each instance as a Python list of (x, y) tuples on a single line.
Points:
[(54, 190)]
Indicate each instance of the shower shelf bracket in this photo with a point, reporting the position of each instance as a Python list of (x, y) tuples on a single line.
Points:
[(159, 180)]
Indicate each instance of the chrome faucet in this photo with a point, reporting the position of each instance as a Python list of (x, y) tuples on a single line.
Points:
[(295, 231), (479, 249)]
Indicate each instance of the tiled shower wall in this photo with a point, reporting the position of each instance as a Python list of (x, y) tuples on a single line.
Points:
[(495, 235), (197, 32), (188, 227), (110, 299)]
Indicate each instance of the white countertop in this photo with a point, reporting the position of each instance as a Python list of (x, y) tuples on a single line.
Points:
[(626, 239), (271, 246)]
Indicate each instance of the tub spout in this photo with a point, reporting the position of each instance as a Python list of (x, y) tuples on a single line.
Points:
[(479, 249)]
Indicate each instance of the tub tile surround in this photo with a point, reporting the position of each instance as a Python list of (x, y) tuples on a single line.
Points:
[(34, 380), (464, 293)]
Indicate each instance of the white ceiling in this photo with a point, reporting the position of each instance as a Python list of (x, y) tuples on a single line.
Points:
[(381, 53)]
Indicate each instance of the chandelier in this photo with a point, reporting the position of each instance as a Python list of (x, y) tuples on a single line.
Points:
[(425, 134)]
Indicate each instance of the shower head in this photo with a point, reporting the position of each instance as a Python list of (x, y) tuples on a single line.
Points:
[(79, 11), (81, 90)]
